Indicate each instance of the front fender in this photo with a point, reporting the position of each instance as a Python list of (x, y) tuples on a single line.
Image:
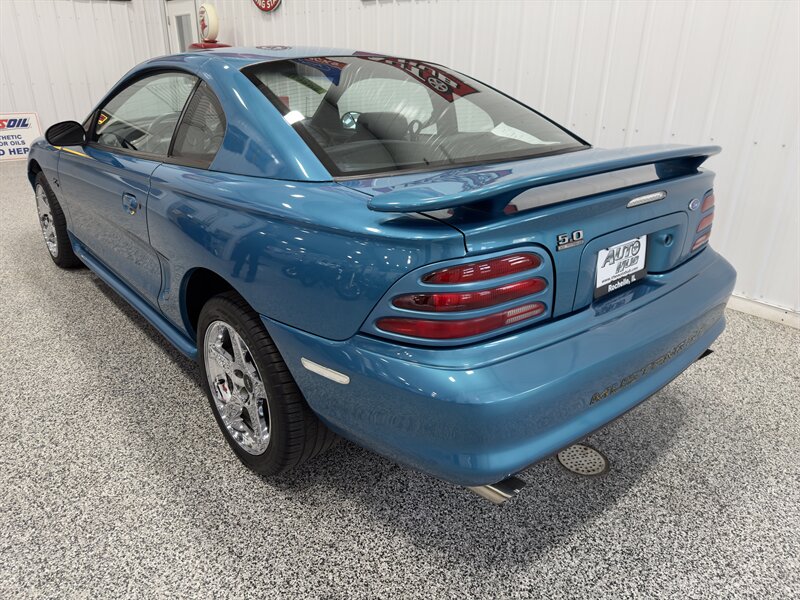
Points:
[(44, 157)]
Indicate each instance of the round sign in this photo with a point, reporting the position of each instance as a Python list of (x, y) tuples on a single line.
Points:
[(267, 5), (209, 24)]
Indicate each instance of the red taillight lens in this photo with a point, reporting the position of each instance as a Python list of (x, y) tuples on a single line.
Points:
[(462, 328), (488, 269), (708, 202), (700, 241), (453, 301), (705, 223)]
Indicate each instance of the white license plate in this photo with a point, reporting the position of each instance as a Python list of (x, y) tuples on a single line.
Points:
[(620, 265)]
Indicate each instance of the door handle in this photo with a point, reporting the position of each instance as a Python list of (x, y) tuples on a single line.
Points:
[(130, 203)]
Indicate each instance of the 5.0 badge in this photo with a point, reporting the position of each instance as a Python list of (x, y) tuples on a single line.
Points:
[(569, 240)]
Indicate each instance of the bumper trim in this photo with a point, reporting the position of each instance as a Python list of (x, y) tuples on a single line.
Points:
[(324, 371)]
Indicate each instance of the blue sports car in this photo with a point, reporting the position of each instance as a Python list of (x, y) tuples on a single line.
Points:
[(387, 250)]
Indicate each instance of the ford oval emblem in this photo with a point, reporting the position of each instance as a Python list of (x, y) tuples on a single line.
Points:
[(694, 204)]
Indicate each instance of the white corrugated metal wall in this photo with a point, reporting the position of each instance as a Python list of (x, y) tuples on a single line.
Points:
[(60, 56), (616, 72)]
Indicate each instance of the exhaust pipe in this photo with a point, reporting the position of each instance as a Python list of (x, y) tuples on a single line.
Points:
[(500, 492), (704, 354)]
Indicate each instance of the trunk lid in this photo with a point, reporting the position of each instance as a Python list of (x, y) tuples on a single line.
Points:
[(574, 205)]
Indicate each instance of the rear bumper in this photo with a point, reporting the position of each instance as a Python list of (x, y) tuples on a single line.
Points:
[(476, 414)]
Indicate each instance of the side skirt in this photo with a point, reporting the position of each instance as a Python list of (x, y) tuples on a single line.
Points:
[(184, 344)]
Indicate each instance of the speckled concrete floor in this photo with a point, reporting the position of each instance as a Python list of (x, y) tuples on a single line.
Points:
[(114, 480)]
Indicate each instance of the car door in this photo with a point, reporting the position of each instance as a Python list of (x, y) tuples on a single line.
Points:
[(108, 182)]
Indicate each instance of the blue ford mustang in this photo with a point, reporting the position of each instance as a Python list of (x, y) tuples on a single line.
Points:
[(388, 250)]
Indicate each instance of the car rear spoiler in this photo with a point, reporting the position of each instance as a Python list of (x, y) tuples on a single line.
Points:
[(425, 195)]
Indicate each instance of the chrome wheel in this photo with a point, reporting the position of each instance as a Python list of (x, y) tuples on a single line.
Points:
[(237, 387), (46, 220)]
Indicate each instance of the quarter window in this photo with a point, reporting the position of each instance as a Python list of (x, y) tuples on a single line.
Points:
[(143, 116), (202, 129)]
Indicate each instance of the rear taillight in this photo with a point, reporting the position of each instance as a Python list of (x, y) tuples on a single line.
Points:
[(484, 270), (455, 301), (704, 227), (699, 242), (444, 293), (705, 223), (461, 328)]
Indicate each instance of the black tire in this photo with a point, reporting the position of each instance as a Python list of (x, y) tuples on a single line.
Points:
[(296, 434), (59, 249)]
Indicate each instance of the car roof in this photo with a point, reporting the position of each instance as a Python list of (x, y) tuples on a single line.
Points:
[(273, 148), (241, 57)]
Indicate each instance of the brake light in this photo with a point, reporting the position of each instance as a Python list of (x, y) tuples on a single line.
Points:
[(481, 271), (705, 223), (708, 202), (430, 306), (700, 241), (460, 328), (455, 301)]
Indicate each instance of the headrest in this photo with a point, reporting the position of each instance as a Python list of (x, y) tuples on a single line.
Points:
[(382, 125)]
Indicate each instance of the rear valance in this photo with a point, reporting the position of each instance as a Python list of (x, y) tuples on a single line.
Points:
[(499, 183)]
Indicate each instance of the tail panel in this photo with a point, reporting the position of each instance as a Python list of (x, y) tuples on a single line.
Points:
[(589, 211)]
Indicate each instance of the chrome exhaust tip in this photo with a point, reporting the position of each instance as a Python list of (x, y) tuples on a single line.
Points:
[(500, 492)]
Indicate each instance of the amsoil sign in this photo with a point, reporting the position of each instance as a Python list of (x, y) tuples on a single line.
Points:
[(267, 5), (17, 132)]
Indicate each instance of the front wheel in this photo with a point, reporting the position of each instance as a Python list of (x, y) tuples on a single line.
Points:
[(53, 225), (255, 400)]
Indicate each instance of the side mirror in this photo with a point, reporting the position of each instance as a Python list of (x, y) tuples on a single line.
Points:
[(349, 119), (66, 133)]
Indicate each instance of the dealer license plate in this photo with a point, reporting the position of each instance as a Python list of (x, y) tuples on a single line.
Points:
[(620, 265)]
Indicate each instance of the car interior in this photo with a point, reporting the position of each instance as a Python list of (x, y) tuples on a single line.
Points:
[(365, 117)]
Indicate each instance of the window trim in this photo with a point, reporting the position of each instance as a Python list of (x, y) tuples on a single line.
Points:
[(168, 158), (186, 104), (338, 175), (116, 92)]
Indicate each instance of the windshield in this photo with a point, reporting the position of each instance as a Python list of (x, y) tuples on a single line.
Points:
[(374, 114)]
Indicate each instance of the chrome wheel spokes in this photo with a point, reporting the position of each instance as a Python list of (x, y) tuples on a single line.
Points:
[(237, 387), (46, 220)]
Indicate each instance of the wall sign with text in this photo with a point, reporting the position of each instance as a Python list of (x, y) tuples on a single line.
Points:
[(267, 5), (17, 132)]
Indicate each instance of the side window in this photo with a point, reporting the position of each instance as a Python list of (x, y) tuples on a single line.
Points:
[(142, 117), (201, 131)]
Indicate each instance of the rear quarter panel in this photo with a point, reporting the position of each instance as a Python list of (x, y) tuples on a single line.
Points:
[(310, 255)]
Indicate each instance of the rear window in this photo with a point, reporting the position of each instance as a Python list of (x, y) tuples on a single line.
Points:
[(376, 114)]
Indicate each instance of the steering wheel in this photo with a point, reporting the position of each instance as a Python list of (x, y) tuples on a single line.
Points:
[(121, 141), (201, 137), (125, 143), (159, 122)]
